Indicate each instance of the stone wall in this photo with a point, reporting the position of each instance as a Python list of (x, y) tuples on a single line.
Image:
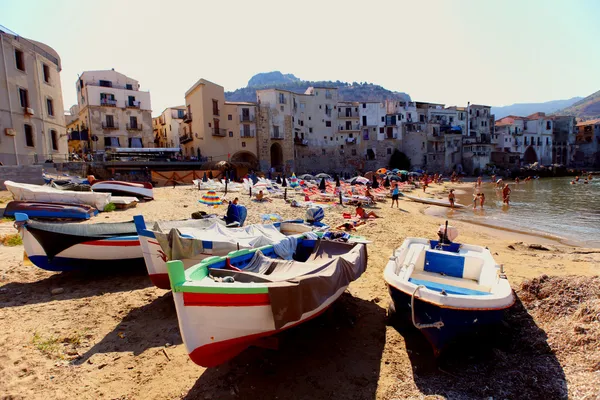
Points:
[(23, 174)]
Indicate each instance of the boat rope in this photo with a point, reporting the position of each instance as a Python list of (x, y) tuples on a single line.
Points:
[(438, 324)]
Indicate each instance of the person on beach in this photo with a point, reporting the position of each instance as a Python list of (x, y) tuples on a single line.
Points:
[(493, 179), (260, 196), (395, 195), (481, 199), (506, 194), (479, 181), (499, 183), (451, 198), (369, 195), (517, 179), (363, 214), (475, 199), (350, 226)]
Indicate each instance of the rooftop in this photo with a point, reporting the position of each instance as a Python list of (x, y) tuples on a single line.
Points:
[(590, 122)]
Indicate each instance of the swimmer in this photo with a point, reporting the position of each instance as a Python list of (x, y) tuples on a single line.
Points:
[(481, 200), (576, 179), (451, 198), (506, 194), (517, 179)]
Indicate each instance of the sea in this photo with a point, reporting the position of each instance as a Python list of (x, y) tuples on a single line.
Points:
[(550, 207)]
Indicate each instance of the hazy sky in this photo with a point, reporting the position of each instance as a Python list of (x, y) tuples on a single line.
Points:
[(487, 52)]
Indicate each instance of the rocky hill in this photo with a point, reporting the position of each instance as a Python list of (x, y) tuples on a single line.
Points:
[(525, 109), (347, 91), (587, 108)]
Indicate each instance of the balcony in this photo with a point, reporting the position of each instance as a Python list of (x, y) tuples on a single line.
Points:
[(185, 138), (351, 140), (350, 128), (219, 132), (248, 134), (132, 104), (187, 117), (134, 127), (300, 142), (277, 136), (345, 114), (109, 126), (391, 136), (247, 118), (108, 102)]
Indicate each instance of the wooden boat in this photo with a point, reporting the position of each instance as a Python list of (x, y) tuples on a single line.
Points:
[(211, 238), (226, 304), (433, 202), (448, 289), (64, 247), (63, 179), (28, 192), (141, 190), (40, 209)]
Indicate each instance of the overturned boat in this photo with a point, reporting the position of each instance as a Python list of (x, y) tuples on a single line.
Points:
[(448, 289), (65, 247), (226, 304), (28, 192), (433, 202), (40, 209), (141, 190)]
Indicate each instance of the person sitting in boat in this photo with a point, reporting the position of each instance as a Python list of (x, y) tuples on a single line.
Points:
[(451, 198), (260, 196), (506, 194), (360, 211)]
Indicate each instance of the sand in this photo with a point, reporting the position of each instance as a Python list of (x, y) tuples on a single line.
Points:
[(113, 335)]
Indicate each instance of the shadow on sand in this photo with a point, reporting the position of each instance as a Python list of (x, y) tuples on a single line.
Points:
[(512, 360), (334, 356), (152, 325), (76, 285)]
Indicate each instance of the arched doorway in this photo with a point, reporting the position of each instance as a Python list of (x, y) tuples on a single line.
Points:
[(530, 155), (246, 157), (277, 157), (564, 160)]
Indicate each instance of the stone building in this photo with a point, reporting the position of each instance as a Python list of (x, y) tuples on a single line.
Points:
[(113, 110), (32, 124), (563, 139), (587, 144)]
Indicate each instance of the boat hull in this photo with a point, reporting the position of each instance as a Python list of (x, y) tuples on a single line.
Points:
[(457, 321), (118, 188), (49, 210)]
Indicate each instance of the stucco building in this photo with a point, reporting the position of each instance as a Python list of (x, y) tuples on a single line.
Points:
[(32, 124), (587, 144), (114, 111), (167, 127)]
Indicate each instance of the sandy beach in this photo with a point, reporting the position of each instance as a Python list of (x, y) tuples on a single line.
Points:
[(112, 335)]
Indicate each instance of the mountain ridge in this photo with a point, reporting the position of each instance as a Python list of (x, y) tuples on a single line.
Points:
[(525, 109), (586, 108)]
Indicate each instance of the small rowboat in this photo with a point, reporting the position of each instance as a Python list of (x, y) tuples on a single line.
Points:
[(448, 289), (226, 304), (433, 202), (40, 209), (141, 190), (64, 247)]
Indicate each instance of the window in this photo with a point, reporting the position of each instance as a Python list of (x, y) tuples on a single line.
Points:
[(370, 154), (323, 151), (20, 60), (128, 86), (547, 140), (133, 123), (28, 135), (23, 98), (276, 131), (353, 152), (229, 117), (230, 134), (281, 108), (111, 141), (364, 105), (328, 124), (381, 130), (110, 121), (548, 125), (421, 118), (281, 98), (309, 118), (389, 150), (50, 107), (46, 71), (309, 130), (54, 139), (105, 83), (382, 119), (243, 144), (215, 104), (180, 113)]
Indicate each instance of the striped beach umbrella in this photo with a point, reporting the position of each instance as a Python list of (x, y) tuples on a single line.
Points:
[(294, 181), (210, 198)]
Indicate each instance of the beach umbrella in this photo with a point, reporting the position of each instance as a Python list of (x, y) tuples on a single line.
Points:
[(323, 176), (414, 174), (210, 198), (204, 179), (381, 171), (394, 178), (369, 174), (322, 184), (210, 175), (403, 172), (294, 181), (395, 170), (359, 180), (386, 183), (283, 181), (337, 181), (226, 177), (278, 180), (375, 182), (307, 177)]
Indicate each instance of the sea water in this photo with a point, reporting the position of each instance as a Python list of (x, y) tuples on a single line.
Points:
[(550, 206)]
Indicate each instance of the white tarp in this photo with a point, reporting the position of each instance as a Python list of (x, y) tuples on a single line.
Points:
[(28, 192)]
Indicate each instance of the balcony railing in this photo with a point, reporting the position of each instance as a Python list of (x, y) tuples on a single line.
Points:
[(390, 136), (185, 138), (247, 118), (219, 132), (106, 125), (345, 114), (108, 102), (351, 128), (277, 136), (134, 127), (300, 142), (132, 104), (187, 117)]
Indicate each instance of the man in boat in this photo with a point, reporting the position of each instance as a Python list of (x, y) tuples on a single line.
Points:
[(451, 198), (363, 214), (506, 194)]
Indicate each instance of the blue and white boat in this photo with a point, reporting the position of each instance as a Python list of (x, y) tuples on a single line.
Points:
[(448, 289)]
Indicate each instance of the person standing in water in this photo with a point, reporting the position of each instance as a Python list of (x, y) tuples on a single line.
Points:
[(481, 199), (475, 198), (479, 181), (506, 194), (451, 198)]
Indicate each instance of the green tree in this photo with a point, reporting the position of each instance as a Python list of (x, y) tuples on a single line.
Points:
[(399, 160)]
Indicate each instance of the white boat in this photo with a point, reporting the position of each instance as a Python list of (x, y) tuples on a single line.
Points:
[(447, 290), (433, 202), (142, 190), (226, 304), (28, 192)]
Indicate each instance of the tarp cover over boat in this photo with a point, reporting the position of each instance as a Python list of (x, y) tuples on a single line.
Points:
[(296, 288), (55, 238), (25, 191), (191, 243)]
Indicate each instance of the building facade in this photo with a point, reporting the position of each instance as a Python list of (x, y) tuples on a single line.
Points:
[(563, 140), (114, 111), (167, 127), (215, 129), (587, 144), (32, 124)]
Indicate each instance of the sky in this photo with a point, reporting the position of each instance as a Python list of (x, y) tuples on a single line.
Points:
[(446, 51)]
